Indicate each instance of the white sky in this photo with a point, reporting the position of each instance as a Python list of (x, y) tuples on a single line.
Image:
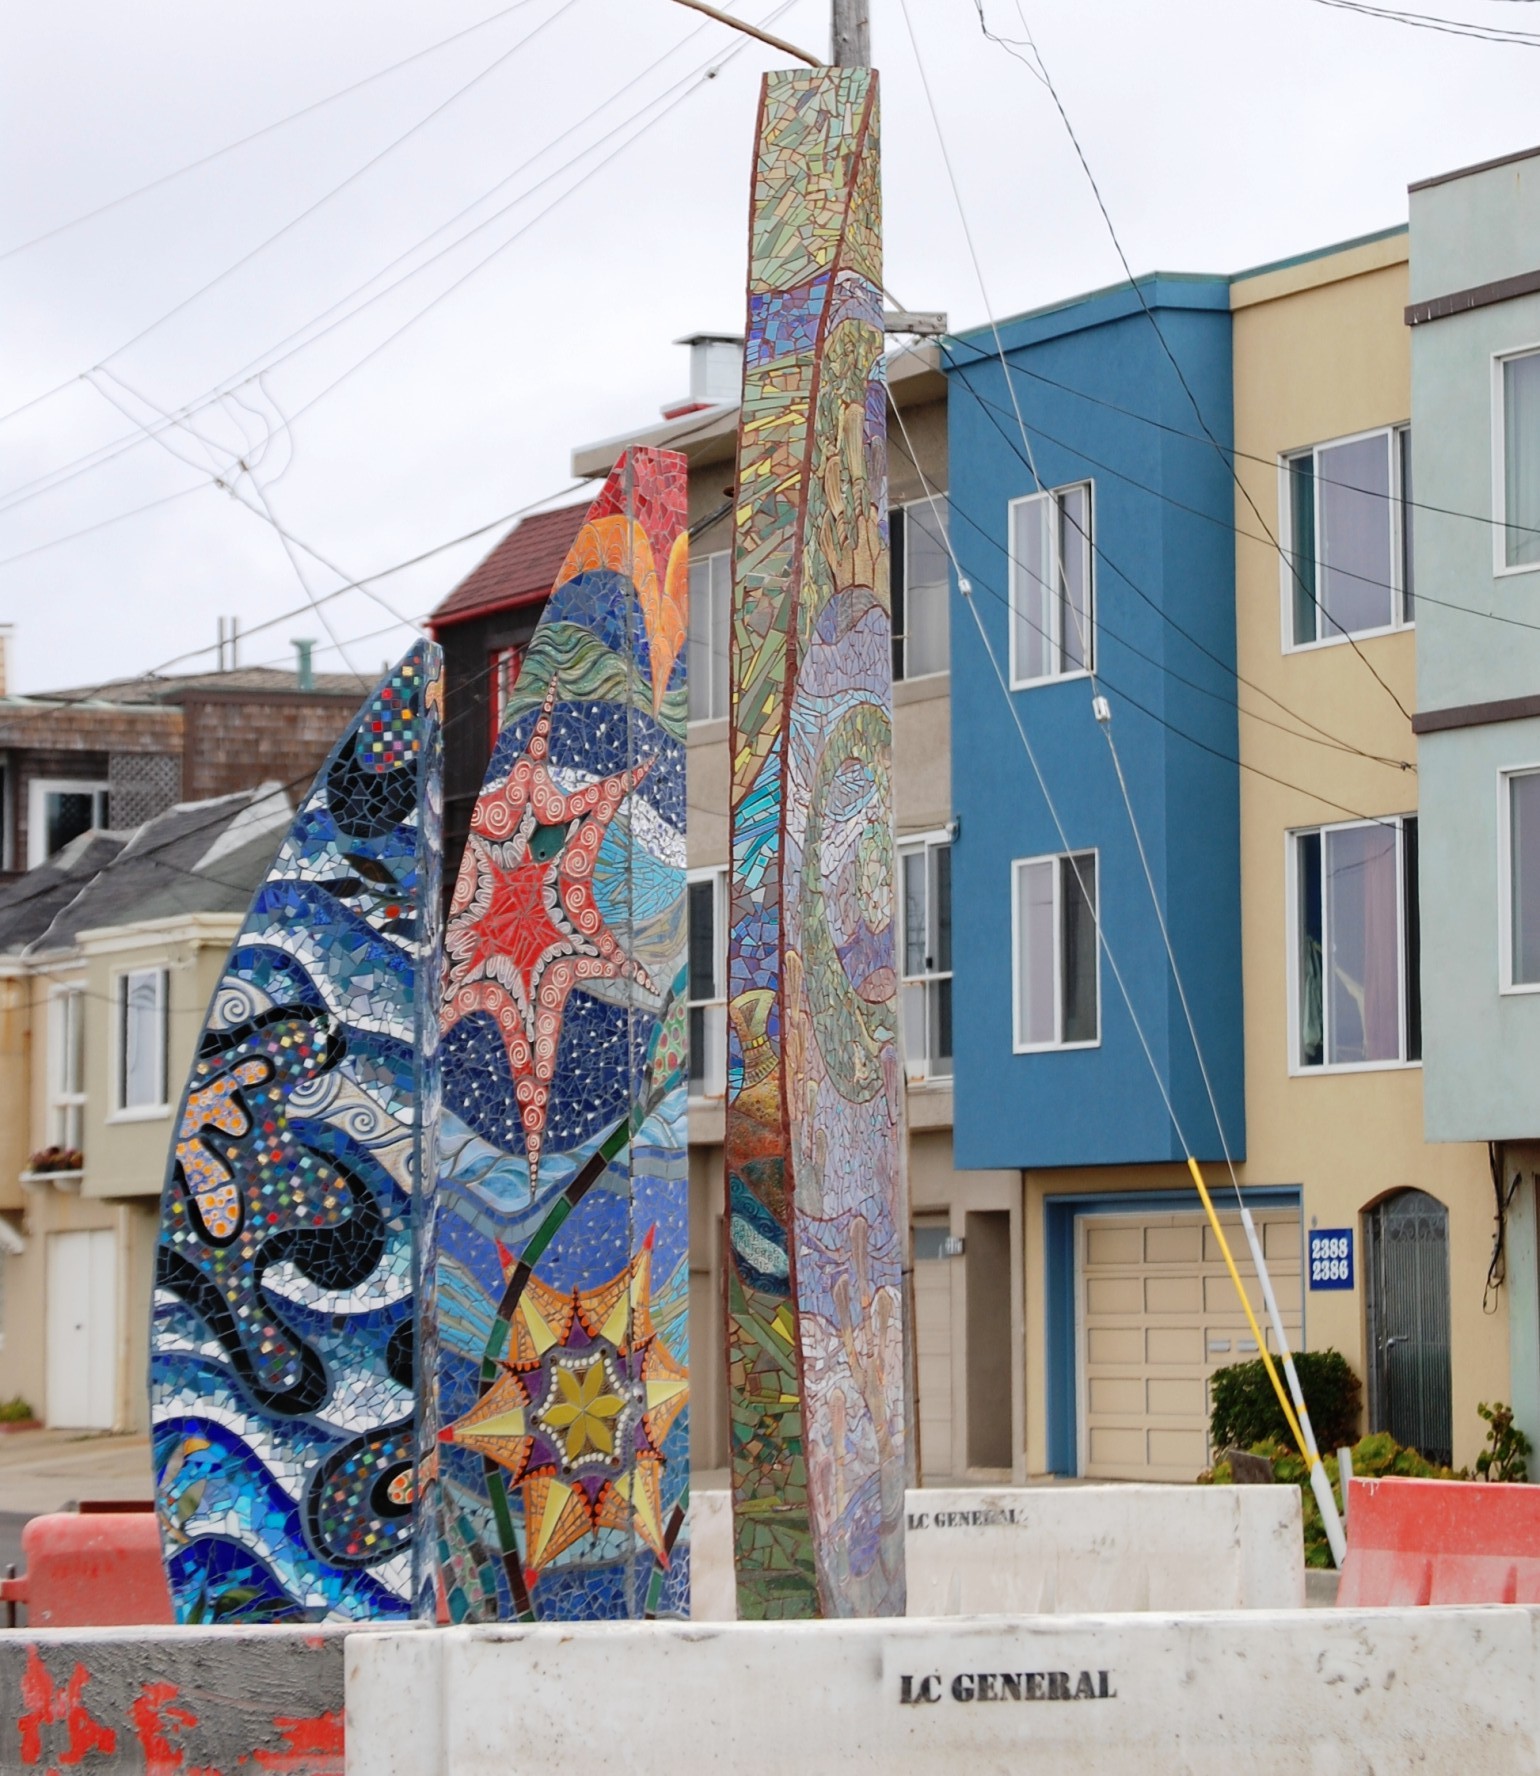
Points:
[(1224, 133)]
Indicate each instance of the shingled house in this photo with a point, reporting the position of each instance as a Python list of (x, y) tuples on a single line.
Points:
[(117, 754)]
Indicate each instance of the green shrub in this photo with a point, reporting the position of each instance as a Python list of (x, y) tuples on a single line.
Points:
[(1246, 1410), (1507, 1446), (1374, 1455), (15, 1411)]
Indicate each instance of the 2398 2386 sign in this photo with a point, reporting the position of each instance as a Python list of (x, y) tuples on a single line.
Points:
[(1330, 1257)]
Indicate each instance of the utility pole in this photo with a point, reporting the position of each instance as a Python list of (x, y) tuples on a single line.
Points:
[(851, 39)]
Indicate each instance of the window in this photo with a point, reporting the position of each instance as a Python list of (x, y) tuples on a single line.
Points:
[(59, 810), (711, 588), (1051, 584), (921, 584), (708, 983), (1357, 1001), (1521, 878), (1057, 987), (1518, 458), (1347, 567), (141, 1009), (67, 1067), (925, 867), (503, 667)]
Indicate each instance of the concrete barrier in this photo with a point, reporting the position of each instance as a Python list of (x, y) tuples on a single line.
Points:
[(1063, 1550), (1441, 1541), (215, 1701), (1290, 1692), (1086, 1549)]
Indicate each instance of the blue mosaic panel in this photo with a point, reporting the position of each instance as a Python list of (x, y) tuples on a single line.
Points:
[(558, 1243), (281, 1343)]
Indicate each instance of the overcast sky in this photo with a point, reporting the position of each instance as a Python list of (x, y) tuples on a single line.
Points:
[(1224, 133)]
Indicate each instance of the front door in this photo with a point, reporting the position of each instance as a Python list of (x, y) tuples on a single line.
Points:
[(1408, 1301), (82, 1312)]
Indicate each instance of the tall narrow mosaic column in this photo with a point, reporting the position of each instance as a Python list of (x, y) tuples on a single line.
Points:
[(816, 1195), (558, 1252)]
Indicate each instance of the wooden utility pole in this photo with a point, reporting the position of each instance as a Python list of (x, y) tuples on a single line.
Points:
[(851, 42)]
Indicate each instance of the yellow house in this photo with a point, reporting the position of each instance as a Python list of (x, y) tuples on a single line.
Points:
[(1325, 639), (111, 954)]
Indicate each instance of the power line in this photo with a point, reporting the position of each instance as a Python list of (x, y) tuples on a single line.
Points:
[(310, 209), (1428, 21), (980, 356), (268, 360), (1181, 375), (267, 129)]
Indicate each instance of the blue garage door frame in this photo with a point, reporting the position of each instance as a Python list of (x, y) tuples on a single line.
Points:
[(1060, 1214)]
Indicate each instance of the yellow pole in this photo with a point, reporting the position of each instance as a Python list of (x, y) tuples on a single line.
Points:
[(1305, 1448)]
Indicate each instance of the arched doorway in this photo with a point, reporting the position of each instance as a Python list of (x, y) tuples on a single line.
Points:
[(1408, 1302)]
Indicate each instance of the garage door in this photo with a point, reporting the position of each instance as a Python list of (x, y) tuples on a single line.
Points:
[(1158, 1315)]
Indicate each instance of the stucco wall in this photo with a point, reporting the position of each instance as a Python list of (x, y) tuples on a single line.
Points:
[(1321, 351)]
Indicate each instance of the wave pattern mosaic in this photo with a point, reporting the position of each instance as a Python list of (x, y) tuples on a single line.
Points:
[(281, 1365), (814, 1153), (559, 1234)]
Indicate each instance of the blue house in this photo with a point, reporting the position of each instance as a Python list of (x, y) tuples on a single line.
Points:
[(1092, 518)]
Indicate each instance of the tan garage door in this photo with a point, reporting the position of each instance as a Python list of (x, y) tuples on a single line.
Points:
[(1158, 1315)]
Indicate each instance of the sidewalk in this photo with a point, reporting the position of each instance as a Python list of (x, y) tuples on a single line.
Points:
[(46, 1470)]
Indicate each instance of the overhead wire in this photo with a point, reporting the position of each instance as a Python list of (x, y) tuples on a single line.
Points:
[(1296, 1415), (1428, 21), (256, 135), (276, 354)]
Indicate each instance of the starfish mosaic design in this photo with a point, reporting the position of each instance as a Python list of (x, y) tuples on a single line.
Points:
[(579, 1411), (524, 929)]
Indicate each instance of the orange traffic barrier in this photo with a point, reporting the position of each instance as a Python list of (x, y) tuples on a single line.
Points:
[(1440, 1541), (96, 1567)]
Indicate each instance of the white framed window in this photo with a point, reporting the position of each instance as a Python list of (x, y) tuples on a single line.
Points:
[(1347, 563), (1056, 964), (707, 891), (1516, 461), (141, 1033), (504, 665), (1052, 601), (711, 604), (925, 937), (66, 1067), (60, 809), (1518, 874), (1355, 942), (921, 584)]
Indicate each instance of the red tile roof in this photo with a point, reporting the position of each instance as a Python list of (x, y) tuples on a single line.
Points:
[(522, 567)]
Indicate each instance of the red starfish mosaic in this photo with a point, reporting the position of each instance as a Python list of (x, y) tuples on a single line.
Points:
[(523, 928)]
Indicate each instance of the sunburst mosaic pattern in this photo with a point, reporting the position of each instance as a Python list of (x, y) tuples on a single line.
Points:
[(558, 1243)]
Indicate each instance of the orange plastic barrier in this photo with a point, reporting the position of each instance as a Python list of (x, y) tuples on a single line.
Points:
[(1440, 1541), (98, 1567)]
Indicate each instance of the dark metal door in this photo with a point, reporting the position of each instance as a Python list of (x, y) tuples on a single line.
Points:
[(1408, 1301)]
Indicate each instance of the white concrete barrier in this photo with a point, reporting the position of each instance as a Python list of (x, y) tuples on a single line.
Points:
[(1289, 1692), (1070, 1550), (1049, 1550)]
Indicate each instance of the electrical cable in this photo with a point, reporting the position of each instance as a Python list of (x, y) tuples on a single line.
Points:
[(1297, 1417), (1428, 21), (267, 358), (267, 129)]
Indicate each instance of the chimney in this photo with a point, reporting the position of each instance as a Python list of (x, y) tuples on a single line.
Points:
[(716, 372), (229, 633), (304, 672), (7, 631)]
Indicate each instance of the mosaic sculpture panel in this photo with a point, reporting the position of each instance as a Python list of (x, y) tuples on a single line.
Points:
[(815, 1183), (560, 1227), (281, 1344)]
